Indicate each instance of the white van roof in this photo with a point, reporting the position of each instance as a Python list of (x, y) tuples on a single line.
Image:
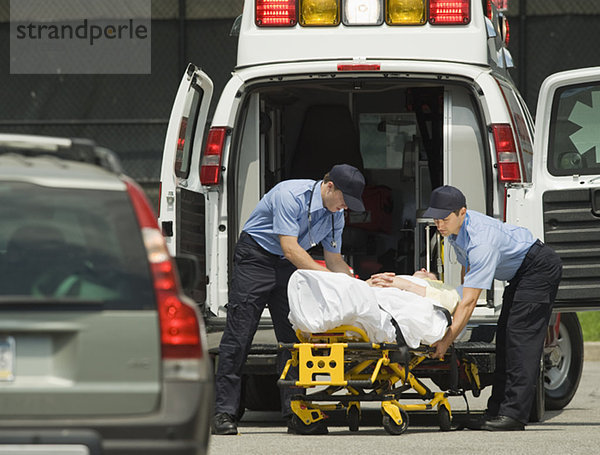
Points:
[(452, 43)]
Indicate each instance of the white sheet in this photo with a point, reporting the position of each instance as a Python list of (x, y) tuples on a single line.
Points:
[(321, 301)]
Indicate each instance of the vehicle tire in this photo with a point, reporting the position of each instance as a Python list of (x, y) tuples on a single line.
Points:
[(539, 397), (392, 427), (353, 418), (561, 378), (444, 419), (261, 393)]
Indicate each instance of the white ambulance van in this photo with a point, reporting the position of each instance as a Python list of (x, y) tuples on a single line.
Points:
[(416, 94)]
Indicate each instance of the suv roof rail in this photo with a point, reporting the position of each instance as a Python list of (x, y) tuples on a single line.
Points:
[(71, 149)]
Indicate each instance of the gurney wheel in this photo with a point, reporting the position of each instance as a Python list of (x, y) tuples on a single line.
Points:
[(392, 427), (444, 418), (353, 418)]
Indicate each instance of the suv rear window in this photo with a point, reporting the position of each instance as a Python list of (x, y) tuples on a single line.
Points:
[(71, 245)]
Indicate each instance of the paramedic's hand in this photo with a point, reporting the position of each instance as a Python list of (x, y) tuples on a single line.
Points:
[(382, 280), (440, 349)]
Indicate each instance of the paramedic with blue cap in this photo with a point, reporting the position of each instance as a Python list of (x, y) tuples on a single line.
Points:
[(489, 249), (290, 219)]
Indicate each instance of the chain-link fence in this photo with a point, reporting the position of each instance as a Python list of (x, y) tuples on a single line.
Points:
[(547, 36), (129, 113)]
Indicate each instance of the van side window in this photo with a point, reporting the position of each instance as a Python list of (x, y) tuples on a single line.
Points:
[(573, 146), (187, 129), (520, 119)]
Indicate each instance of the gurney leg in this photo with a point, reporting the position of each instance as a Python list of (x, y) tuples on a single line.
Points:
[(353, 415)]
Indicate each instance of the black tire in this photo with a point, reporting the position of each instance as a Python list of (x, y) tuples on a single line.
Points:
[(261, 393), (562, 378), (353, 418), (444, 419), (392, 427), (538, 406)]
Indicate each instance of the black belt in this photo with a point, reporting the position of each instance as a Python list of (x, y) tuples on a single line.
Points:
[(531, 253), (248, 240)]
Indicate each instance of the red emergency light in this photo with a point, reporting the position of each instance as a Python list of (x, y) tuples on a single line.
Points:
[(359, 67), (276, 13), (449, 12)]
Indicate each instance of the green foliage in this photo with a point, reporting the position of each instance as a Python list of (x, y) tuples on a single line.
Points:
[(590, 323)]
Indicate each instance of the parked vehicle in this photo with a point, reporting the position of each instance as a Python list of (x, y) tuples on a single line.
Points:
[(416, 98), (100, 350)]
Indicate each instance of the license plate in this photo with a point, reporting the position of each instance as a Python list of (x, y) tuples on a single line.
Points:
[(7, 358)]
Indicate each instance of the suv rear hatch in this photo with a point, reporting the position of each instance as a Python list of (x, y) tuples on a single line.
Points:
[(79, 330)]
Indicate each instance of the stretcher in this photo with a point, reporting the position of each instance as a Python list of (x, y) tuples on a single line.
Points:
[(350, 369)]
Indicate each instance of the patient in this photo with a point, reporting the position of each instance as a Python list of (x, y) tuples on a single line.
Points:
[(427, 285), (321, 301)]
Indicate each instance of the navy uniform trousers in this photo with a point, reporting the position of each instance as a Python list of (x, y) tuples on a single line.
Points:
[(259, 279), (521, 332)]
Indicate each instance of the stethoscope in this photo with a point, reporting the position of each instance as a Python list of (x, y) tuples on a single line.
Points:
[(310, 239)]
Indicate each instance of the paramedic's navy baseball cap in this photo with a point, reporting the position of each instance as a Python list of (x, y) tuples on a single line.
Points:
[(351, 183), (444, 200)]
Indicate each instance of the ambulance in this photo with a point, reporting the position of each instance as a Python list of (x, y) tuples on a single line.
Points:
[(416, 94)]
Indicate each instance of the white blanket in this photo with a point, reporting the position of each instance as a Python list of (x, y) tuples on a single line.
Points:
[(321, 301)]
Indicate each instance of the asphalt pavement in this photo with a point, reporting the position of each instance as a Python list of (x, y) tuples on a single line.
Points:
[(573, 430)]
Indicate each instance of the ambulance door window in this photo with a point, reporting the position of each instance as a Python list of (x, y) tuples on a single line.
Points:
[(187, 130), (574, 145)]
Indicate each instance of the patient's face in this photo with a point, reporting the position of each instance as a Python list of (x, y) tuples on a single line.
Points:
[(425, 274)]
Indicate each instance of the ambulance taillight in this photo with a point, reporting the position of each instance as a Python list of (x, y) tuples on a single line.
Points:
[(210, 166), (506, 153), (276, 13)]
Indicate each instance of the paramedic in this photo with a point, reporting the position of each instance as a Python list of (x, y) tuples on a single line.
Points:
[(291, 218), (489, 249)]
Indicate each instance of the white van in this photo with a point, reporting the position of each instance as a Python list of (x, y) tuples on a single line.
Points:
[(415, 97)]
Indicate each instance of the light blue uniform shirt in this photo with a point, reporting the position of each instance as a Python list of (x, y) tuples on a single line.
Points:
[(489, 249), (284, 211)]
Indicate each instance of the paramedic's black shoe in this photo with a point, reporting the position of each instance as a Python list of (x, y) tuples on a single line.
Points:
[(503, 423), (223, 423), (295, 426)]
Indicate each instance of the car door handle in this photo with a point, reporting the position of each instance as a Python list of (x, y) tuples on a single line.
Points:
[(595, 193)]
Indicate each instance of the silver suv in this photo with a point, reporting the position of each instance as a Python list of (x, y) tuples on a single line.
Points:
[(100, 351)]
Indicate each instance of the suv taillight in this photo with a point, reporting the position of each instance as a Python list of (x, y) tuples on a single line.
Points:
[(210, 167), (179, 323), (506, 153)]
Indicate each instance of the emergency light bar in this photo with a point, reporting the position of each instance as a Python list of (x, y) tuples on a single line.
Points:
[(330, 13)]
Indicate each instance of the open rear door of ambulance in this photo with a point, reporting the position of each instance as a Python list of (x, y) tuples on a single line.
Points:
[(567, 179), (182, 202)]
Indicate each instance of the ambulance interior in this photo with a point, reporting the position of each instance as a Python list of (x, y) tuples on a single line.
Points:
[(393, 131)]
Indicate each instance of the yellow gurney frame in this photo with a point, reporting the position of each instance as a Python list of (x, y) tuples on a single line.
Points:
[(349, 361)]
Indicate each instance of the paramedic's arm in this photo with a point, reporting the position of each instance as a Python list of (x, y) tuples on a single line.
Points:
[(459, 321), (298, 255), (335, 262)]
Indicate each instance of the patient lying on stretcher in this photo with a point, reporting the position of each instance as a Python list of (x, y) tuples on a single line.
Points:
[(321, 301)]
